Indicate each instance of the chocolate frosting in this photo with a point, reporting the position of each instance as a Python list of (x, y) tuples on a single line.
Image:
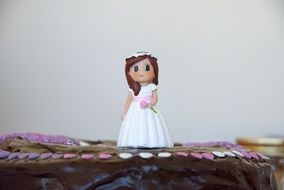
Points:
[(174, 172)]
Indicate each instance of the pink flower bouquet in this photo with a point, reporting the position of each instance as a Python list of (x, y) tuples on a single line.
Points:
[(144, 104)]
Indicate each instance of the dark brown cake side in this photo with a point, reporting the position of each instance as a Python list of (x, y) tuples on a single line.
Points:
[(34, 165)]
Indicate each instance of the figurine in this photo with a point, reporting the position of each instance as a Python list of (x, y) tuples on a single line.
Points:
[(142, 124)]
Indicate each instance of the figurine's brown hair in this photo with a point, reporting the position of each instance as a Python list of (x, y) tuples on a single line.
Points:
[(135, 86)]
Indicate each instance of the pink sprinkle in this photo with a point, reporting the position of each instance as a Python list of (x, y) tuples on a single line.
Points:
[(262, 156), (87, 156), (246, 154), (254, 155), (13, 155), (69, 156), (208, 156), (184, 154), (4, 154), (196, 155), (104, 156), (23, 155), (33, 156), (45, 155), (56, 156)]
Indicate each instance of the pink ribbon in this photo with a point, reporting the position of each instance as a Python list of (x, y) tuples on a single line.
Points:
[(142, 98)]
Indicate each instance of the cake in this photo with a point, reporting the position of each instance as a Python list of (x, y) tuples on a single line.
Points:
[(37, 161)]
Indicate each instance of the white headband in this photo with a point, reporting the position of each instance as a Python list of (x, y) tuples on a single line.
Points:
[(141, 53)]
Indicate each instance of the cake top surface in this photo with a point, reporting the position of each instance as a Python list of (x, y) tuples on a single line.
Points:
[(33, 146), (46, 162)]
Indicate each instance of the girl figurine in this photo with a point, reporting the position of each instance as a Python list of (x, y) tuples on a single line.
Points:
[(143, 125)]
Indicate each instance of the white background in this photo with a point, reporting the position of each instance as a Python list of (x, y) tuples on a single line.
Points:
[(221, 65)]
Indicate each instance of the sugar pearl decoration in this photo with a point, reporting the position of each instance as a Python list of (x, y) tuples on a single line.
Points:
[(104, 156), (146, 155), (218, 154), (4, 154), (238, 153), (87, 156), (228, 153), (125, 155), (246, 155), (83, 143), (23, 155), (13, 155), (45, 155), (263, 156), (196, 155), (207, 155), (183, 154), (33, 156), (164, 154), (254, 155), (57, 156), (69, 156)]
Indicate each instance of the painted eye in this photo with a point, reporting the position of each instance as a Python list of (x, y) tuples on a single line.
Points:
[(147, 68), (135, 68)]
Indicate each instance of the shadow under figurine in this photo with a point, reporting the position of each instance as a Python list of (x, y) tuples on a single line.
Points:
[(142, 124)]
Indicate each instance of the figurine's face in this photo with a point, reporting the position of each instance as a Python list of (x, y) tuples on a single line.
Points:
[(142, 71)]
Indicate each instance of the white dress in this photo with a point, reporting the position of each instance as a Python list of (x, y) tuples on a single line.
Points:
[(143, 127)]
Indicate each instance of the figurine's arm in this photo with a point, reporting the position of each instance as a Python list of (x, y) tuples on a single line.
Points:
[(154, 99), (126, 105)]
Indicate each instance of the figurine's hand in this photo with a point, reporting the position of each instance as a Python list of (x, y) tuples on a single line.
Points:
[(149, 105)]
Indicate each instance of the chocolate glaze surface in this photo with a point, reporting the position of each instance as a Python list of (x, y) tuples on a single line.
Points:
[(174, 172)]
